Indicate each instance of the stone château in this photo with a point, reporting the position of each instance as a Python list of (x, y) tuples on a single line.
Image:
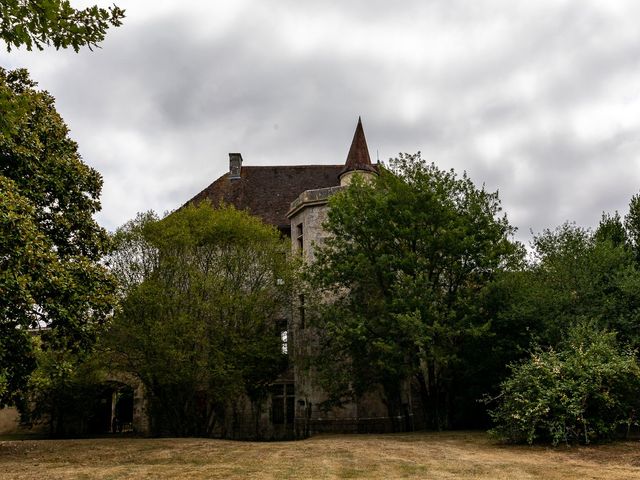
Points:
[(295, 200)]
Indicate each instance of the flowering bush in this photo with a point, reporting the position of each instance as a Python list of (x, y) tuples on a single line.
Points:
[(586, 390)]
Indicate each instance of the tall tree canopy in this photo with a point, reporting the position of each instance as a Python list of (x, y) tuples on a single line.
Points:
[(578, 282), (50, 246), (39, 23), (408, 258), (575, 273), (204, 289)]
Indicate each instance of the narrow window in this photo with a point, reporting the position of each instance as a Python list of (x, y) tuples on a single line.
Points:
[(283, 332), (284, 336), (277, 404), (283, 404), (300, 238), (290, 409)]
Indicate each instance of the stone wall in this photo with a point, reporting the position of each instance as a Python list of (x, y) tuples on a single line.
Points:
[(9, 421), (369, 413)]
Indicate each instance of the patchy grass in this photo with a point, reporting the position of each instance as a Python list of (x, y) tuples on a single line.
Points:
[(459, 455)]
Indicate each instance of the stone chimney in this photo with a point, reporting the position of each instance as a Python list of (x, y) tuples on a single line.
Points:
[(235, 165)]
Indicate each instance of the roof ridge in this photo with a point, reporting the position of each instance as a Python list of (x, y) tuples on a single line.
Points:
[(294, 166)]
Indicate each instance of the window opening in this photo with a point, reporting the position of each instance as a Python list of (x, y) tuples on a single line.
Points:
[(283, 404), (283, 333), (300, 238)]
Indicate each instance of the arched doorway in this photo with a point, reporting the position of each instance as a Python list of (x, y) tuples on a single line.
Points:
[(113, 410)]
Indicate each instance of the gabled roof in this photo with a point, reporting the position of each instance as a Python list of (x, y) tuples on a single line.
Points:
[(358, 157), (267, 192)]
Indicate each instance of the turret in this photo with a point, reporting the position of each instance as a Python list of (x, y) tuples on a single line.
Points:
[(358, 160)]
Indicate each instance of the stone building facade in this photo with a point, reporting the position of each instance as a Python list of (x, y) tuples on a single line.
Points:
[(295, 200)]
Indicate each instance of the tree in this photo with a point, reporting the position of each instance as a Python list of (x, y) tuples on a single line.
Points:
[(573, 274), (42, 23), (632, 225), (197, 325), (407, 258), (39, 23), (64, 390), (611, 229), (576, 273), (583, 391), (50, 246)]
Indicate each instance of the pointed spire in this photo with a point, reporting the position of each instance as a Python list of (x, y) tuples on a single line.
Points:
[(358, 158)]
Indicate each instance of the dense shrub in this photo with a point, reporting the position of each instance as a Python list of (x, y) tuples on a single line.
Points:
[(587, 390)]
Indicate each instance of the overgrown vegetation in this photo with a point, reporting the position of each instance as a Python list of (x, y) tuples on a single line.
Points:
[(51, 248), (203, 290), (575, 276), (427, 286), (64, 391), (425, 282), (409, 258), (586, 390)]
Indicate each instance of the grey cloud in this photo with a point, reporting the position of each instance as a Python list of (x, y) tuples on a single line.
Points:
[(159, 106)]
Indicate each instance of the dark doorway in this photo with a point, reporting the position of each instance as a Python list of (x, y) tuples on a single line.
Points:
[(113, 410)]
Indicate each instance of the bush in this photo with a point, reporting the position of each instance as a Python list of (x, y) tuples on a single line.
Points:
[(585, 391)]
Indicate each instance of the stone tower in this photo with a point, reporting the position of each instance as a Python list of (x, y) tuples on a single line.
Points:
[(309, 211), (307, 215)]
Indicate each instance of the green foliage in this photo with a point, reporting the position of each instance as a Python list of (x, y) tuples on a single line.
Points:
[(408, 256), (50, 246), (63, 391), (611, 229), (585, 390), (39, 23), (203, 290), (632, 225), (134, 258), (573, 273), (576, 273)]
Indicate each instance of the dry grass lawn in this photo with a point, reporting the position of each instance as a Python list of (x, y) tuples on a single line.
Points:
[(459, 455)]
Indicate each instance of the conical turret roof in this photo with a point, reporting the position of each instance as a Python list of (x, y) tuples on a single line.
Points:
[(358, 158)]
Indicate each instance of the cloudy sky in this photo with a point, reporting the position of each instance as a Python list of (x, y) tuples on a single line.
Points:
[(537, 99)]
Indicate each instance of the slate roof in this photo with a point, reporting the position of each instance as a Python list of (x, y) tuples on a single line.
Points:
[(267, 192)]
